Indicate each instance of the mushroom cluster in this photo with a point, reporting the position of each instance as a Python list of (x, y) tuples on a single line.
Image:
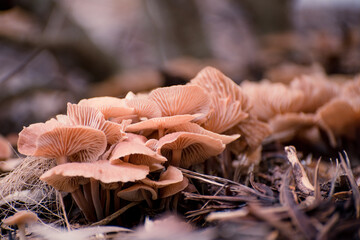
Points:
[(110, 149), (305, 106)]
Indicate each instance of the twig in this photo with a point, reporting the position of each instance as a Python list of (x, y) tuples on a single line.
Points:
[(220, 198), (114, 215), (63, 210)]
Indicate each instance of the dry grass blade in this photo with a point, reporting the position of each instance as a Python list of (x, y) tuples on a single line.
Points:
[(193, 196), (298, 217), (324, 232), (301, 179), (345, 163)]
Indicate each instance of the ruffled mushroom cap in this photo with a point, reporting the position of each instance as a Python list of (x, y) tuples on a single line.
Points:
[(53, 140), (351, 92), (91, 117), (317, 91), (270, 99), (252, 131), (180, 100), (136, 193), (111, 107), (230, 104), (195, 128), (285, 126), (101, 170), (143, 107), (188, 148), (338, 117), (172, 175), (136, 153), (5, 148), (172, 189)]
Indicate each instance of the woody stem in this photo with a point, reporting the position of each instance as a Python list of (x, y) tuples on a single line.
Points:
[(176, 157)]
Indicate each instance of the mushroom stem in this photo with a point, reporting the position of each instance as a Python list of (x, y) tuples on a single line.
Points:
[(80, 200), (126, 158), (160, 133), (116, 198), (88, 197), (147, 199), (107, 205), (176, 157), (95, 197), (22, 231), (61, 160)]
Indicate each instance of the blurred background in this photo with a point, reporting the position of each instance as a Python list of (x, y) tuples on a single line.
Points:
[(54, 52)]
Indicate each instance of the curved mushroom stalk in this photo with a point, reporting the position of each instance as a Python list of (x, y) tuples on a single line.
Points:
[(95, 194)]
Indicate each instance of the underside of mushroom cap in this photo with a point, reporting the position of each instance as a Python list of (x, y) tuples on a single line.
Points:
[(195, 148), (172, 175), (79, 143), (136, 192), (101, 170), (180, 100)]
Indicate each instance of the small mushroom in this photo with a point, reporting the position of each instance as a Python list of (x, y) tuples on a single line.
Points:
[(21, 219), (139, 192), (65, 143), (5, 149), (189, 148)]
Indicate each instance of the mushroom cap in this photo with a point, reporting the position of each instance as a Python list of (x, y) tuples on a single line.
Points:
[(290, 121), (79, 142), (270, 99), (174, 100), (134, 193), (109, 106), (144, 107), (317, 91), (20, 218), (195, 128), (230, 104), (215, 82), (172, 175), (161, 122), (5, 148), (172, 189), (91, 117), (196, 148), (101, 170), (139, 153)]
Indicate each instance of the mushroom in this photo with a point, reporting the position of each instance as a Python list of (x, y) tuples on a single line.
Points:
[(21, 219), (270, 99), (100, 170), (189, 148), (144, 107), (111, 107), (65, 143), (138, 192), (135, 152), (5, 148), (229, 102), (174, 100), (161, 123)]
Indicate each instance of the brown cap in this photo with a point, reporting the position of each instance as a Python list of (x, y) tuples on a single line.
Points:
[(195, 148), (173, 188), (170, 176), (21, 217)]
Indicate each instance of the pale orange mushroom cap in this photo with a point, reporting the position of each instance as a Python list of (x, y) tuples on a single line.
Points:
[(172, 189), (136, 192), (195, 148), (54, 140), (111, 107), (172, 175), (144, 107), (229, 102), (101, 170), (5, 148), (270, 99), (180, 100), (161, 122), (20, 218), (195, 128)]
